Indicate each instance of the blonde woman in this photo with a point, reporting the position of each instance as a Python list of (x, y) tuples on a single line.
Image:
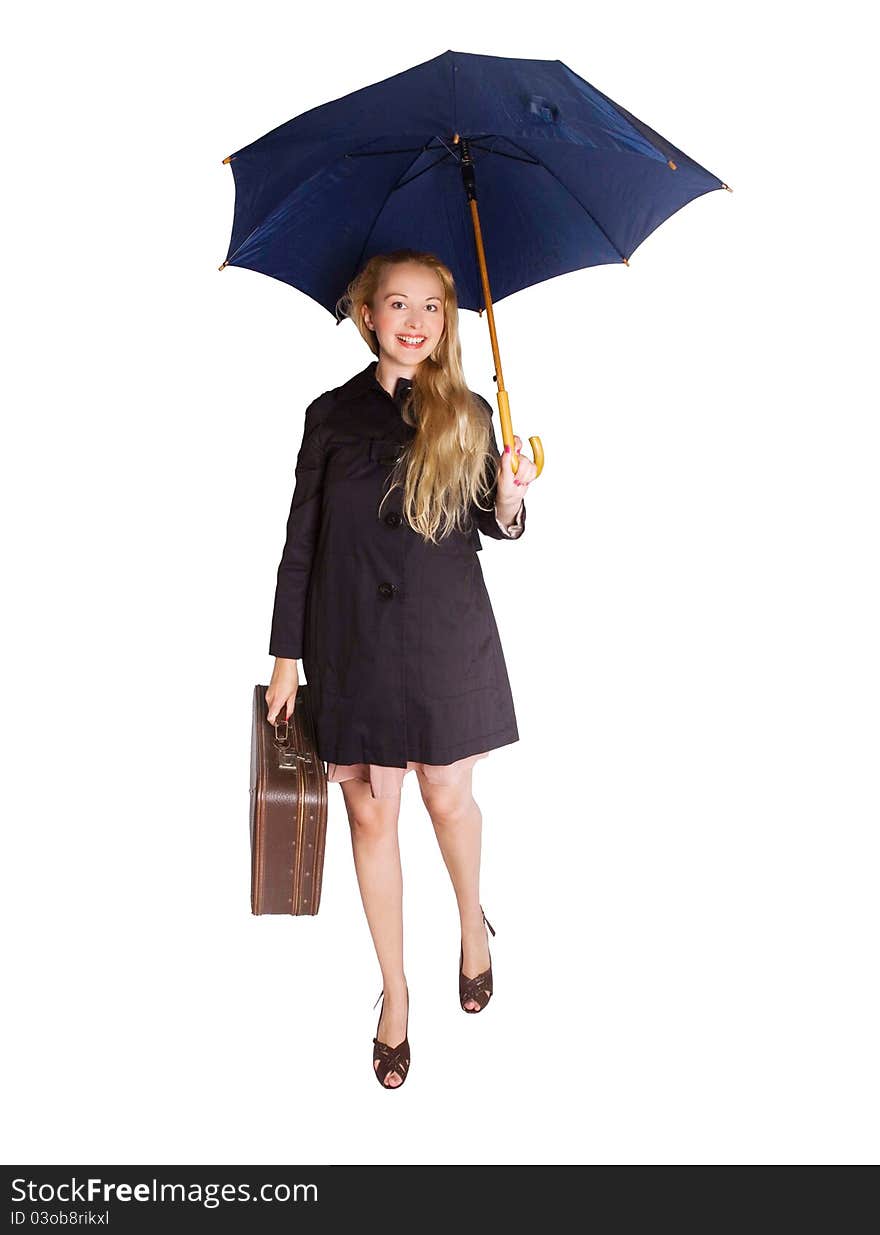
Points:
[(380, 593)]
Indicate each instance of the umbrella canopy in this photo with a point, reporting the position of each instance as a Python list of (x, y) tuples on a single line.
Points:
[(566, 178)]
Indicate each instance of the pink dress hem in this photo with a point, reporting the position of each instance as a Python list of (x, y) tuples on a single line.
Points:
[(387, 782)]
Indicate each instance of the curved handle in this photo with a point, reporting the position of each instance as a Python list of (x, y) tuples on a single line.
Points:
[(508, 435), (282, 724), (288, 755)]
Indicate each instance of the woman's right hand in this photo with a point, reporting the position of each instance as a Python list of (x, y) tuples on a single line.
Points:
[(282, 689)]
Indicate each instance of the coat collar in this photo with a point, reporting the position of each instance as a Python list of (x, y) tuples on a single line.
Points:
[(366, 380)]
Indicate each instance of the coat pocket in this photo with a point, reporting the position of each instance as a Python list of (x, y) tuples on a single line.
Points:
[(459, 639), (386, 451)]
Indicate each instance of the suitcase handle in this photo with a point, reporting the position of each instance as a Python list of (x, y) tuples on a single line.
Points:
[(287, 756), (282, 739)]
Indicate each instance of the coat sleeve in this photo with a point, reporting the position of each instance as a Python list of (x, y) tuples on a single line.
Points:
[(486, 520), (303, 525)]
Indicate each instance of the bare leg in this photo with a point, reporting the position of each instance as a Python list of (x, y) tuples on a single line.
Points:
[(458, 824), (373, 825)]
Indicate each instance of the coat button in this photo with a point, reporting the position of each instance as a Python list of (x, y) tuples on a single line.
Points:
[(393, 519), (386, 590)]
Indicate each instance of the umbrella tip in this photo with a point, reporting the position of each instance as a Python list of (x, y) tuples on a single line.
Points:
[(727, 186), (229, 158), (224, 264), (626, 261)]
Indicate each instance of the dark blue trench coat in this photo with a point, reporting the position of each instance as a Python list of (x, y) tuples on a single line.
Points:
[(397, 637)]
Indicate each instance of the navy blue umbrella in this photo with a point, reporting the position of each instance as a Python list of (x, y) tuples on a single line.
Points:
[(567, 179)]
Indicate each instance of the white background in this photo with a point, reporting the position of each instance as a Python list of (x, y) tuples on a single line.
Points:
[(680, 853)]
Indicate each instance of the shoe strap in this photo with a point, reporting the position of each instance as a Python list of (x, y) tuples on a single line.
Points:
[(391, 1059), (486, 920)]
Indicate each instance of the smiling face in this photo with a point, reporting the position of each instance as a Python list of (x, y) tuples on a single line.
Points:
[(407, 314)]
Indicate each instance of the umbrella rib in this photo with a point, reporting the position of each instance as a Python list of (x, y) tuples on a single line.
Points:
[(574, 197), (504, 154), (429, 168), (349, 154), (357, 264), (359, 154), (370, 154)]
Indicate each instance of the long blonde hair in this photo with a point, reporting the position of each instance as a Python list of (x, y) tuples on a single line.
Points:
[(449, 464)]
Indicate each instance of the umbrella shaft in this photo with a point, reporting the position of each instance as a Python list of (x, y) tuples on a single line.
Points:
[(469, 179), (470, 187), (487, 295)]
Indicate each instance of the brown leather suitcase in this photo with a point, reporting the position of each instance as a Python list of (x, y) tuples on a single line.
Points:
[(288, 810)]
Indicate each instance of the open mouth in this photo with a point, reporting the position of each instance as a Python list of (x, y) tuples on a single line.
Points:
[(415, 341)]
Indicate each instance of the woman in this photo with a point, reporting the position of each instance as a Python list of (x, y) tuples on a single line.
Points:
[(381, 595)]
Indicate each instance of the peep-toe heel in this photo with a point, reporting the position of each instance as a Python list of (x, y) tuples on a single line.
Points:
[(391, 1058), (476, 990)]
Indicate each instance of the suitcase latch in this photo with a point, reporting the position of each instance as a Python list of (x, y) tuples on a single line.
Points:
[(287, 756)]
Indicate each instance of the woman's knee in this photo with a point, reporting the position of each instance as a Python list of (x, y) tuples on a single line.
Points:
[(369, 817), (449, 805)]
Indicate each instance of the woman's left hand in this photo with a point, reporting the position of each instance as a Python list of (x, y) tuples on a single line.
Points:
[(513, 486)]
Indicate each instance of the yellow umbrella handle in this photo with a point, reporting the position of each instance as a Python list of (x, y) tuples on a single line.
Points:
[(507, 435)]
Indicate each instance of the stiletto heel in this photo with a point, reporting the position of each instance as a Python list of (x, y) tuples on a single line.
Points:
[(477, 990), (391, 1058)]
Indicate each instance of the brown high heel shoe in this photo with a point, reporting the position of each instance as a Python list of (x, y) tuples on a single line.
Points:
[(391, 1058), (478, 989)]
